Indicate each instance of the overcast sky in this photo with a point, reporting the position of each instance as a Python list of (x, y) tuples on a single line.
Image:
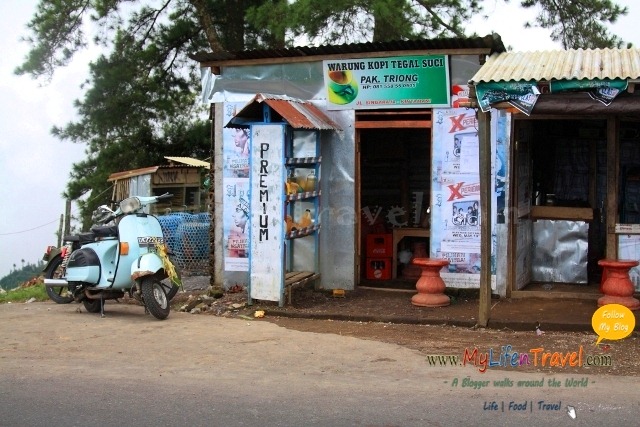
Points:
[(34, 166)]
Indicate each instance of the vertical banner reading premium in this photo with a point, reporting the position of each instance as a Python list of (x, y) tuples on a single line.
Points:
[(266, 195)]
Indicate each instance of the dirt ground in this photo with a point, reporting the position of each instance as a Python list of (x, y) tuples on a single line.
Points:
[(316, 312)]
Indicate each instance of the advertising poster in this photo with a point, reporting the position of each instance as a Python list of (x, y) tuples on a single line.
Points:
[(236, 215), (629, 248), (235, 146), (455, 217), (392, 82), (235, 182)]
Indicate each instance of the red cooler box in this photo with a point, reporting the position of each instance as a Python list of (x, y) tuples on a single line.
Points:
[(379, 245), (378, 268)]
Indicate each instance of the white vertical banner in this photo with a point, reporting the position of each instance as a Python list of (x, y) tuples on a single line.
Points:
[(267, 211)]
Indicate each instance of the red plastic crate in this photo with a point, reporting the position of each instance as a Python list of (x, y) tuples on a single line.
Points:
[(378, 269), (379, 245)]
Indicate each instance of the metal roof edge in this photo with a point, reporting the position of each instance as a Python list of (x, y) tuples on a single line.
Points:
[(488, 44)]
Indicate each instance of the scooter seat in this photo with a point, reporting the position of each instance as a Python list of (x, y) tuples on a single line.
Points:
[(84, 238), (80, 239), (106, 231)]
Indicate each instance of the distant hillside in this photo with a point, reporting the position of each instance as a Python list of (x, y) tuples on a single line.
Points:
[(18, 277)]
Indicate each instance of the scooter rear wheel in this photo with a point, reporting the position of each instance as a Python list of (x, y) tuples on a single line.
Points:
[(59, 295), (92, 305), (155, 298)]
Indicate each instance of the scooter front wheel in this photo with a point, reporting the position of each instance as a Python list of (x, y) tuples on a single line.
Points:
[(59, 295), (155, 298), (171, 289)]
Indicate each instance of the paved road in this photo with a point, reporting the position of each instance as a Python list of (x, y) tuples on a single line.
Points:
[(63, 368)]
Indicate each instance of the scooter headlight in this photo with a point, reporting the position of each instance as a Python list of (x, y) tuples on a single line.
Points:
[(130, 205)]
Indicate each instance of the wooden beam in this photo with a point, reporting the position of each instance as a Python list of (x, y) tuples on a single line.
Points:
[(382, 124), (613, 171), (484, 136), (340, 56)]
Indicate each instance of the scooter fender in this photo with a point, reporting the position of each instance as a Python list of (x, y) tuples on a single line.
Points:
[(146, 265), (84, 266)]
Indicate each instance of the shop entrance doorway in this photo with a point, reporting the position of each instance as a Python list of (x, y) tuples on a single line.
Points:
[(560, 193), (394, 170)]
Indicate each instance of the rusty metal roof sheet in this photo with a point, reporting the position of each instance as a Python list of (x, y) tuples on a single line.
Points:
[(150, 170), (573, 64), (298, 113), (130, 173), (487, 45), (189, 161)]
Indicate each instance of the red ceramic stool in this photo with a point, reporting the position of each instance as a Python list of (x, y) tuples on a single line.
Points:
[(618, 287), (430, 285)]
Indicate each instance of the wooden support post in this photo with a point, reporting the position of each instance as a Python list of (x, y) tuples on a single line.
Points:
[(60, 230), (613, 172), (484, 139), (67, 222)]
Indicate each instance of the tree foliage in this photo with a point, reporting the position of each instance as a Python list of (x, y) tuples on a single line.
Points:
[(140, 100), (17, 277), (578, 23)]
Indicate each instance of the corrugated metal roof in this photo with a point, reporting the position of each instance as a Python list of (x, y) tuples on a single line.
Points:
[(189, 161), (560, 65), (298, 113), (487, 44), (148, 170), (134, 172)]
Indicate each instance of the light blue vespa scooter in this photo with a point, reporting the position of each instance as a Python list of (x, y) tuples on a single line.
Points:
[(129, 256)]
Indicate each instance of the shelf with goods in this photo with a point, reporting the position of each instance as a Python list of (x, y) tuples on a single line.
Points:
[(301, 210), (284, 139)]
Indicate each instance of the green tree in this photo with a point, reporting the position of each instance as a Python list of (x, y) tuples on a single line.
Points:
[(17, 277), (140, 103), (140, 100), (578, 23), (573, 23)]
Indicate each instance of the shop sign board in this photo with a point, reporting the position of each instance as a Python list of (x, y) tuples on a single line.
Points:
[(392, 82)]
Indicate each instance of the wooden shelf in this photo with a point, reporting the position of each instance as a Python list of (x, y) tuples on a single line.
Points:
[(298, 278), (301, 196), (562, 213), (302, 232), (301, 161)]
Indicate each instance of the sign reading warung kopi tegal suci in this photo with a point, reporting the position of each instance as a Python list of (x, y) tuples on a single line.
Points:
[(395, 82)]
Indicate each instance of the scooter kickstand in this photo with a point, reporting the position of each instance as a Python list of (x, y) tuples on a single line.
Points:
[(102, 307)]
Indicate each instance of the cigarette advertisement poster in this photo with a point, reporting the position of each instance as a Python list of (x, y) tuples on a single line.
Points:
[(235, 199), (391, 82), (455, 217), (236, 224)]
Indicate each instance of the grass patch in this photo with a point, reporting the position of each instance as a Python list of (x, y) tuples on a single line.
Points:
[(24, 294)]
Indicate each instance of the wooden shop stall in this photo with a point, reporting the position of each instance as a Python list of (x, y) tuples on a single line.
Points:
[(572, 166), (400, 158), (182, 176)]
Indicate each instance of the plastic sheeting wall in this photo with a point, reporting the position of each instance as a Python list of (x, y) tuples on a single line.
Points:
[(560, 251), (298, 80)]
